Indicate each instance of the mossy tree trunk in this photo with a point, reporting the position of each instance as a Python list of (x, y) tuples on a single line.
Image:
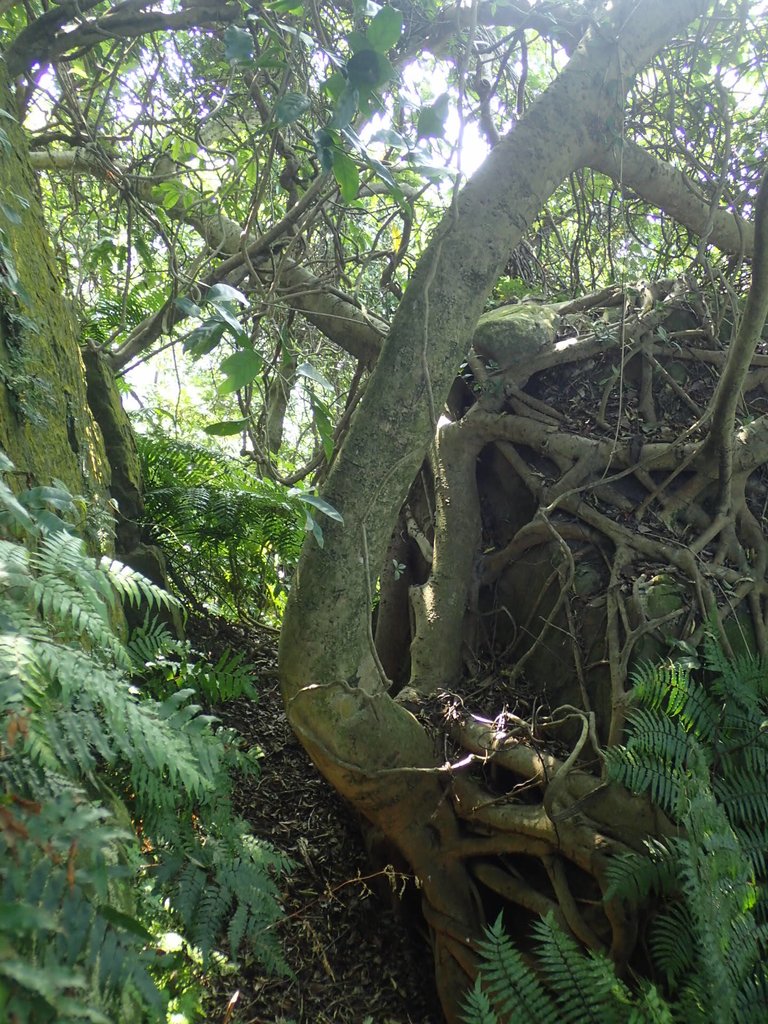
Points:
[(46, 427), (61, 417)]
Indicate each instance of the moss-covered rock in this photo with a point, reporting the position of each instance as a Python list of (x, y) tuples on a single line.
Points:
[(513, 335)]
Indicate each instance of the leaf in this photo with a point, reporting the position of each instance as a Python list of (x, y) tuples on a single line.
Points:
[(187, 306), (382, 172), (38, 497), (225, 293), (312, 526), (324, 426), (324, 147), (346, 108), (10, 214), (226, 428), (384, 31), (225, 314), (125, 922), (366, 68), (11, 508), (431, 124), (316, 502), (204, 338), (347, 176), (358, 41), (238, 45), (291, 107), (389, 137), (241, 368), (308, 370)]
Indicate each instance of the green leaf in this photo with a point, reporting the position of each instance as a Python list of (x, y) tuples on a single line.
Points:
[(384, 31), (241, 368), (335, 86), (238, 45), (346, 174), (225, 293), (358, 41), (431, 124), (324, 426), (225, 314), (38, 497), (226, 428), (204, 338), (319, 503), (125, 922), (346, 108), (10, 214), (389, 137), (308, 370), (187, 306), (324, 147), (312, 526), (382, 172), (366, 69), (11, 508), (291, 107)]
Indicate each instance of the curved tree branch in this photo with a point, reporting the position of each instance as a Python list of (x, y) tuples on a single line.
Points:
[(337, 316), (675, 193), (46, 40)]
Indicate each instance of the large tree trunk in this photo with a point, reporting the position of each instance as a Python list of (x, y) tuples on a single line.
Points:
[(46, 427), (370, 748)]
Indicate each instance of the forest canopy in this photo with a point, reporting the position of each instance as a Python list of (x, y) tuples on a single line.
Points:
[(471, 299)]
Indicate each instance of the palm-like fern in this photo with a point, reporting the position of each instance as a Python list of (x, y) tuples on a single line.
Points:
[(230, 538), (701, 753), (83, 755)]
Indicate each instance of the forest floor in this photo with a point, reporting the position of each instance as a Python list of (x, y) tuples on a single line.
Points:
[(353, 958)]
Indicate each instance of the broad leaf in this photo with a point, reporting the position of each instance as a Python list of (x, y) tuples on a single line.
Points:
[(204, 338), (346, 174), (346, 108), (291, 107), (238, 45), (230, 320), (241, 368), (226, 428), (316, 502), (431, 123), (225, 293), (324, 147), (187, 306), (384, 31), (308, 370)]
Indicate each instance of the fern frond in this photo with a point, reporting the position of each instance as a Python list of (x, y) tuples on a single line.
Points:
[(516, 993), (134, 588), (586, 987)]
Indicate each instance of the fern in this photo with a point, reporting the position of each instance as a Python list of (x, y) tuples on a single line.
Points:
[(84, 755), (246, 533), (694, 750)]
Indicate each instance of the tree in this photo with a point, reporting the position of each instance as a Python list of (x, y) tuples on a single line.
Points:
[(415, 471)]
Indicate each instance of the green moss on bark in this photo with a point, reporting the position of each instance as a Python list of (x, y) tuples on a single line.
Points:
[(46, 427)]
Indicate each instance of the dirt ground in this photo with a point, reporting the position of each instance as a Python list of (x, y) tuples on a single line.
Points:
[(356, 957)]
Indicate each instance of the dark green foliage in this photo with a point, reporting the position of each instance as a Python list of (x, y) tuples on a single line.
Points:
[(165, 664), (701, 752), (115, 816), (231, 539)]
